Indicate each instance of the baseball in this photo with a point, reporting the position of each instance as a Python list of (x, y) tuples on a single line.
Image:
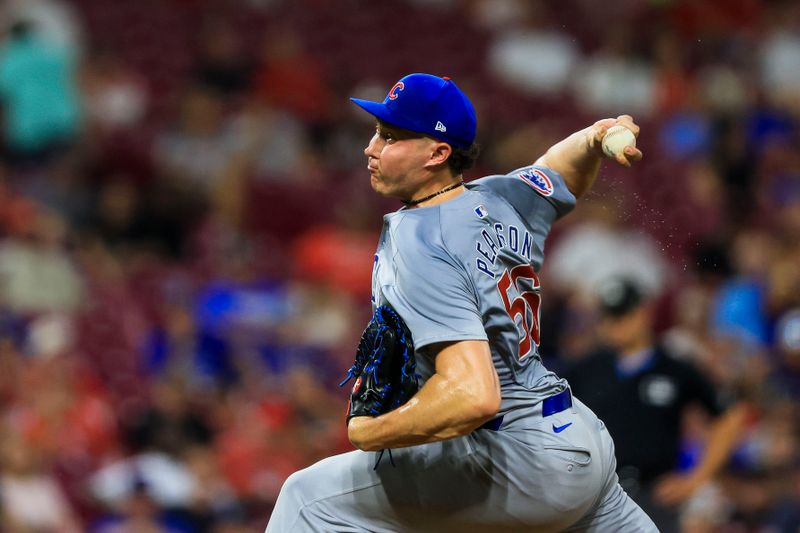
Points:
[(616, 139)]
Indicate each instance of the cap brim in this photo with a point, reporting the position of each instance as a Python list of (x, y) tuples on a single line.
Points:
[(380, 111)]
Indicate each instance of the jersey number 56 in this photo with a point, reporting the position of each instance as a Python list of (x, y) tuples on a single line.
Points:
[(526, 285)]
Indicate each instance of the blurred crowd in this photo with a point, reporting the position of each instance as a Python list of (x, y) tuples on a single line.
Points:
[(187, 230)]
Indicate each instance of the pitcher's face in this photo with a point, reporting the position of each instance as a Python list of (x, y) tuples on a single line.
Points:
[(396, 160)]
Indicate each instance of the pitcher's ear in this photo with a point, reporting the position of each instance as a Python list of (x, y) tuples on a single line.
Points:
[(440, 152)]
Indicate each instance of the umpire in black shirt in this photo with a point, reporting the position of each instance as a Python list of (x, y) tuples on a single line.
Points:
[(642, 393)]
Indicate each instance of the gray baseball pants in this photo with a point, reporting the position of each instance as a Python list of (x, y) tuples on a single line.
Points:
[(524, 477)]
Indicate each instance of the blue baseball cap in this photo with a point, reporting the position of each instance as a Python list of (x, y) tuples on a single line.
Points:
[(430, 105)]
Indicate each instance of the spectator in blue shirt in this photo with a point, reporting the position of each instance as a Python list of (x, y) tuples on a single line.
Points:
[(38, 95)]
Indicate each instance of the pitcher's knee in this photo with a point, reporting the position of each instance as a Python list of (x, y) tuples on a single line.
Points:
[(291, 500), (295, 489)]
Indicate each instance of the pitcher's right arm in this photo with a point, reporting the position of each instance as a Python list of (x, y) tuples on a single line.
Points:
[(577, 158)]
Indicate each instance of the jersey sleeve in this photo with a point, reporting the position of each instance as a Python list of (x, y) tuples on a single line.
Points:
[(532, 189), (437, 301)]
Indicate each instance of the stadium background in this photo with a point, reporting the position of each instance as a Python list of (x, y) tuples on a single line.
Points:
[(187, 229)]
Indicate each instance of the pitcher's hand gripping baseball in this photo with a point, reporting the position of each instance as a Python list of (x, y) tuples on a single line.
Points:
[(615, 138)]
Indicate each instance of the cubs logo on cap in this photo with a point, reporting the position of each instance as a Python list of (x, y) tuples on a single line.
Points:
[(399, 86), (430, 105), (538, 180)]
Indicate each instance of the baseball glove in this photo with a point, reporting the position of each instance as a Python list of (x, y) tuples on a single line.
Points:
[(384, 367)]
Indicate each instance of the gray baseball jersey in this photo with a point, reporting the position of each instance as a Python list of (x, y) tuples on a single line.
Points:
[(467, 269)]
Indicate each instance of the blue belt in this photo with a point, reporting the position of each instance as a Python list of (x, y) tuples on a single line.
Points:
[(557, 403), (550, 406)]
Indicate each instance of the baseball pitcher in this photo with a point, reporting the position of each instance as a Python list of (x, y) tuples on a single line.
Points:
[(458, 425)]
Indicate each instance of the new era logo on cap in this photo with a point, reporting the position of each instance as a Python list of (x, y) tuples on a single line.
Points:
[(424, 103)]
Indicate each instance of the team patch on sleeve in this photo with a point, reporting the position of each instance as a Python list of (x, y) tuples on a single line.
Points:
[(538, 180)]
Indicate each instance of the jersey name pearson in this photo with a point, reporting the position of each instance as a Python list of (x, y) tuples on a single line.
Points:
[(499, 238)]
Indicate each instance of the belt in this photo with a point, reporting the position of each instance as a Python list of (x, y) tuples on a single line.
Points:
[(557, 403), (550, 406)]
